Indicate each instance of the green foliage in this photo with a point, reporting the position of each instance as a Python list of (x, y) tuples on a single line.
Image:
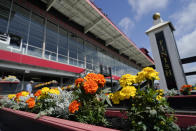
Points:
[(93, 107), (191, 128), (171, 92), (149, 114), (92, 112), (44, 103)]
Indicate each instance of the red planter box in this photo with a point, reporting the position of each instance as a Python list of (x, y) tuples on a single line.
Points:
[(20, 120), (183, 121), (182, 102)]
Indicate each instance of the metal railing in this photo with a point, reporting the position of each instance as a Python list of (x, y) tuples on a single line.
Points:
[(34, 51), (187, 61)]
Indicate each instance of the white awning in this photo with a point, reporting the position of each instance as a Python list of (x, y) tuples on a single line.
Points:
[(86, 14)]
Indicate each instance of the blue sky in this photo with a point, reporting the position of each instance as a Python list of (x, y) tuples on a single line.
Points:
[(134, 17)]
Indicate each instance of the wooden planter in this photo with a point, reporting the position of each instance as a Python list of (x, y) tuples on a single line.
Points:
[(182, 102), (183, 121), (19, 120)]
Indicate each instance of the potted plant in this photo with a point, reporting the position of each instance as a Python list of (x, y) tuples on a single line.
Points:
[(186, 89), (147, 108)]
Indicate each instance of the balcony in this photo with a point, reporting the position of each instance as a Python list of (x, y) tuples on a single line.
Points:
[(29, 50)]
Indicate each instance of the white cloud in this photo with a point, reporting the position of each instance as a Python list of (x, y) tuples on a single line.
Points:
[(185, 19), (187, 45), (185, 23), (191, 80), (126, 24), (189, 68), (142, 7)]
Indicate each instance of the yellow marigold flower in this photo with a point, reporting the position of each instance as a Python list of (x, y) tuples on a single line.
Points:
[(11, 96), (38, 97), (116, 101), (140, 77), (115, 97), (45, 90), (24, 93), (160, 91), (159, 97), (162, 123), (127, 92), (150, 73), (127, 80), (54, 91), (110, 95)]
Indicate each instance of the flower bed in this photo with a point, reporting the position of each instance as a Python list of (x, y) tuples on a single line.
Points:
[(88, 100)]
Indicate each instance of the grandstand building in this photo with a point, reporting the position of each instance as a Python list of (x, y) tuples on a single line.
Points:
[(45, 40)]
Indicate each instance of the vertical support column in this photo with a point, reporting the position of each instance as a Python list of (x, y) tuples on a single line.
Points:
[(67, 48), (8, 23), (44, 41), (166, 56), (57, 51), (29, 27)]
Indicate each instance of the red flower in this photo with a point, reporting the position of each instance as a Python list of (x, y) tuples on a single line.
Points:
[(79, 81), (90, 86), (74, 106), (30, 102), (101, 80), (38, 93), (186, 87)]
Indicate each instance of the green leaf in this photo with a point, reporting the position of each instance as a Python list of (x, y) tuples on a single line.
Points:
[(106, 90), (148, 108), (42, 113), (108, 101), (153, 112)]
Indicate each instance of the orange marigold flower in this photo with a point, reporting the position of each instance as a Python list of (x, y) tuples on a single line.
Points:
[(90, 86), (31, 102), (74, 106), (18, 95), (38, 93), (79, 81), (91, 76), (186, 87), (101, 80)]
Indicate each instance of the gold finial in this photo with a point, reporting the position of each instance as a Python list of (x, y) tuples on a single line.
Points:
[(156, 16)]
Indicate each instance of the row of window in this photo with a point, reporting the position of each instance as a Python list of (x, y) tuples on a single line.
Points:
[(44, 38)]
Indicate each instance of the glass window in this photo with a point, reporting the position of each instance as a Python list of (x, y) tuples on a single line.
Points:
[(36, 35), (62, 46), (113, 66), (81, 53), (19, 23), (90, 53), (51, 40), (72, 40), (4, 15)]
